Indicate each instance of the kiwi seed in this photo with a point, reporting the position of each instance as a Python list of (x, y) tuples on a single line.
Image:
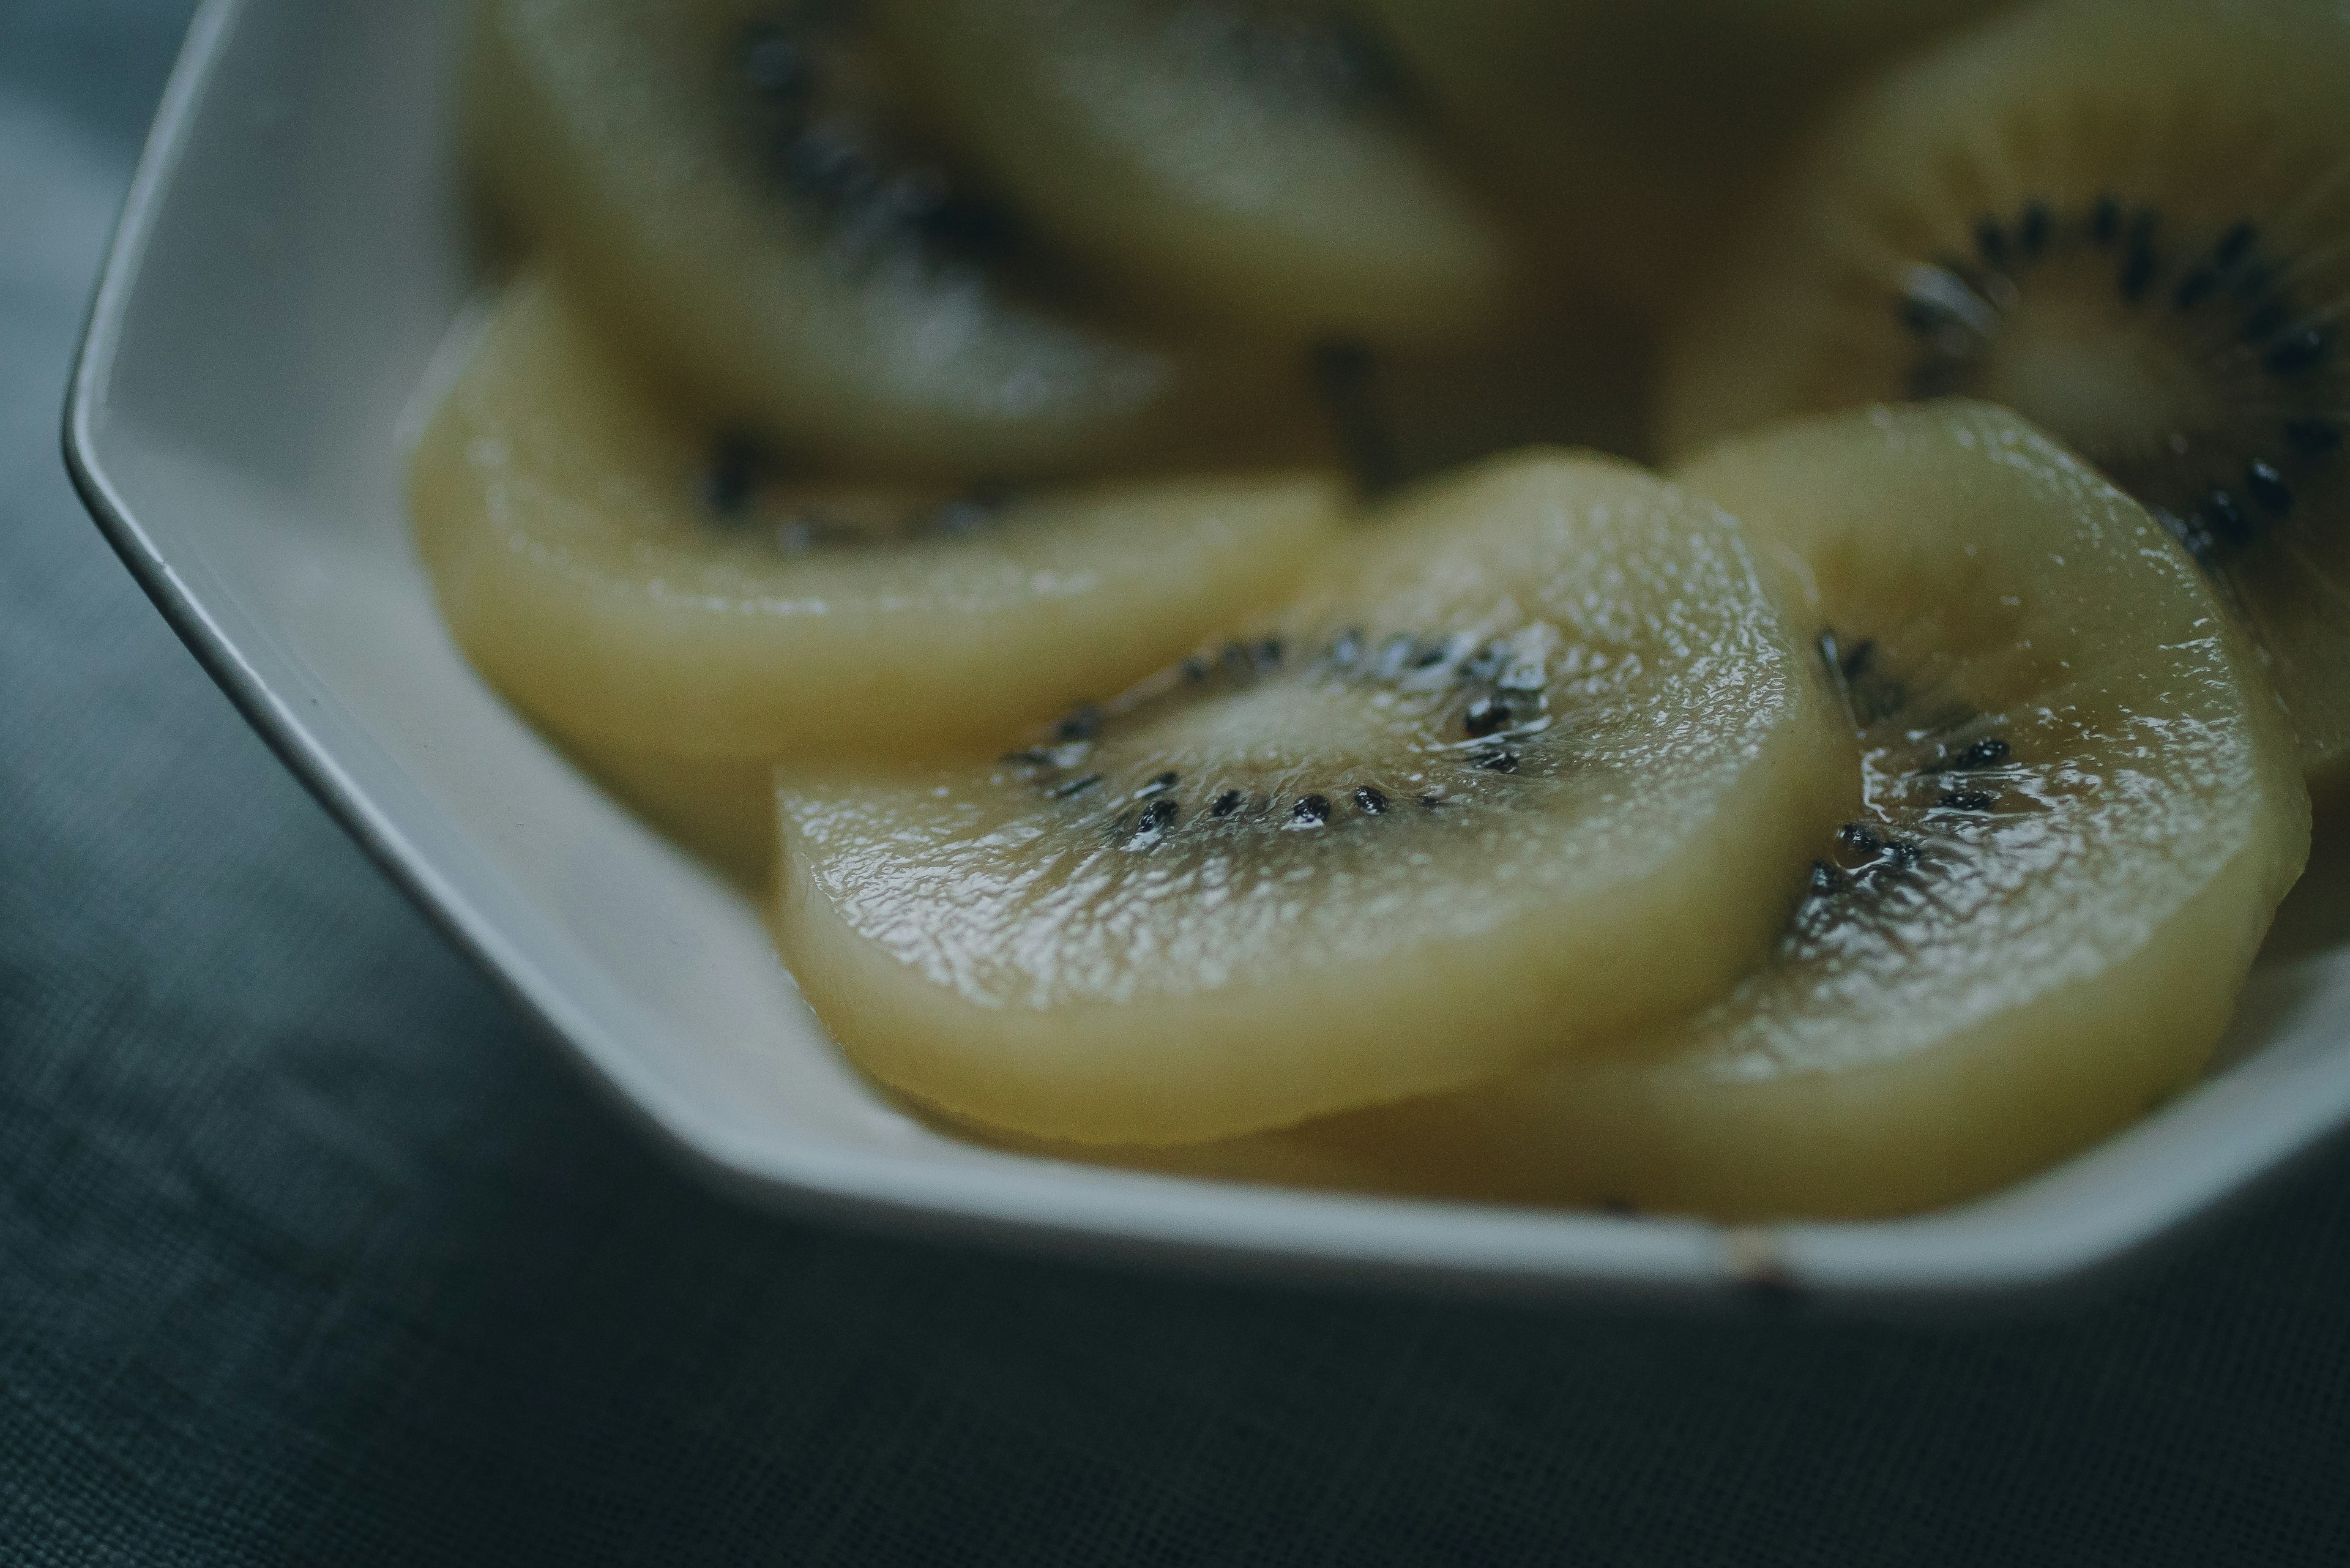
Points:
[(2265, 340), (1486, 715), (1465, 676), (875, 199)]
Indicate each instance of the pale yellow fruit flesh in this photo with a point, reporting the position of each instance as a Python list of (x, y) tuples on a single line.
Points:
[(560, 516), (2162, 341), (1243, 160), (1019, 948), (622, 132), (2056, 963)]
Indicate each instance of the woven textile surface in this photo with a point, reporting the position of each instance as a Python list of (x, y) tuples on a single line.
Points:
[(310, 1254)]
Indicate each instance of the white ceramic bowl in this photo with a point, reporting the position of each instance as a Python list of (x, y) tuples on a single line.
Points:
[(293, 254)]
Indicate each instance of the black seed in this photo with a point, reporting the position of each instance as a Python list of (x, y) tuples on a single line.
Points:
[(1828, 881), (1311, 810), (1075, 786), (2233, 244), (1226, 803), (778, 69), (2224, 517), (1991, 241), (1968, 800), (1371, 801), (1987, 752), (1497, 761), (1429, 656), (2105, 221), (1430, 802), (1269, 652), (2032, 230), (1485, 715), (1859, 837), (1158, 817), (2313, 438), (2268, 487), (2196, 287), (1165, 781), (2189, 531), (2303, 350), (1082, 725), (1195, 669), (734, 463), (2266, 322), (1856, 664), (1904, 853)]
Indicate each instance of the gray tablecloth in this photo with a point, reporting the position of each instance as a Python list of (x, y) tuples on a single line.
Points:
[(308, 1254)]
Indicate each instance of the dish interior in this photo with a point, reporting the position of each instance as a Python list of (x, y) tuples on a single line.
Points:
[(294, 266)]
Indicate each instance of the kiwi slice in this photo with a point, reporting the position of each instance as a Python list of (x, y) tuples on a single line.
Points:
[(1250, 159), (2128, 220), (2075, 812), (637, 585), (1628, 134), (745, 193), (1534, 764)]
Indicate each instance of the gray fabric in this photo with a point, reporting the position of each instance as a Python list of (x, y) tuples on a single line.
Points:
[(308, 1255)]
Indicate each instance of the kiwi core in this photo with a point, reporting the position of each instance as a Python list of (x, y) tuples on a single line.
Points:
[(2180, 357), (2086, 368)]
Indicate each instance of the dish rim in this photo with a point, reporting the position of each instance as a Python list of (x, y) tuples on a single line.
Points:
[(1873, 1264)]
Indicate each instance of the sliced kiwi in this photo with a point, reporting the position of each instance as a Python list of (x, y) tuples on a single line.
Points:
[(1628, 134), (747, 197), (1251, 158), (635, 584), (1534, 764), (2074, 814), (2128, 220)]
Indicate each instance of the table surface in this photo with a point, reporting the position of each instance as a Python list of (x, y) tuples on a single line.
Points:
[(310, 1253)]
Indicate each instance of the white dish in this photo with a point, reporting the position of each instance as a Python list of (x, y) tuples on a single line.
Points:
[(293, 254)]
